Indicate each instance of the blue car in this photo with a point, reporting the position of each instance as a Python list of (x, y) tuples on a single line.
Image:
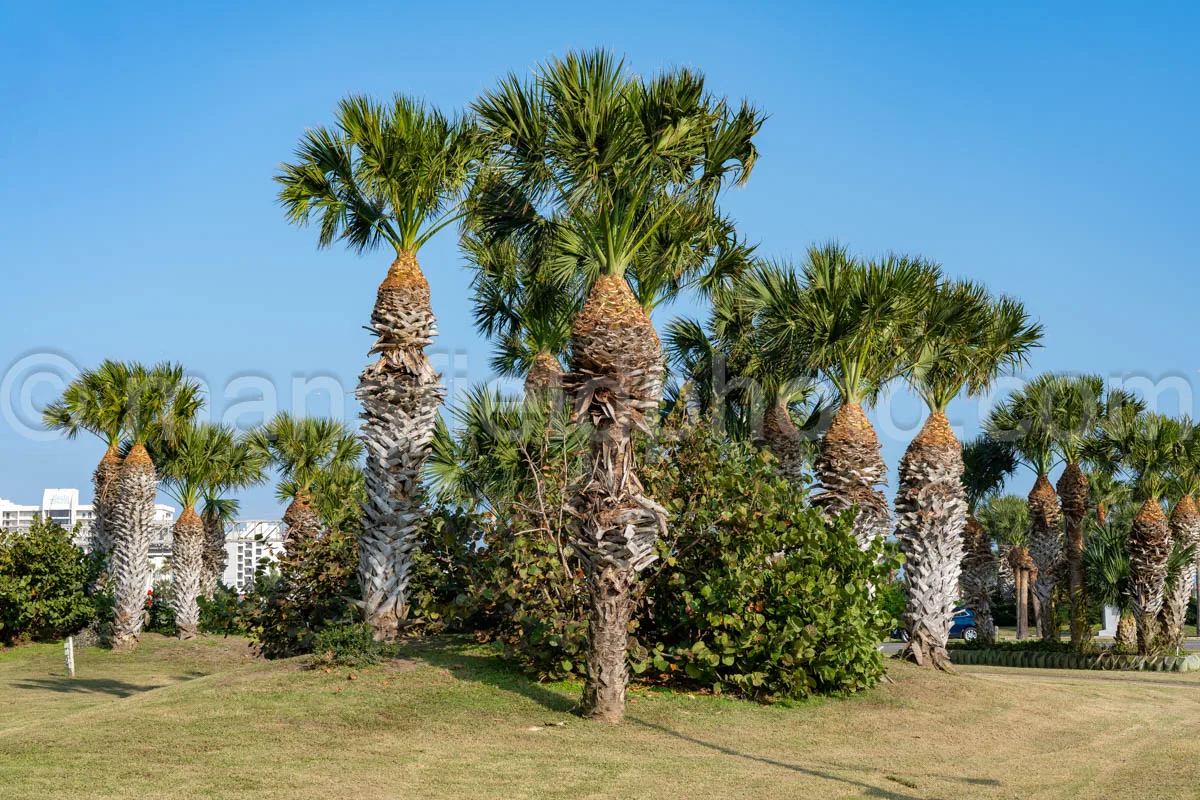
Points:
[(964, 627)]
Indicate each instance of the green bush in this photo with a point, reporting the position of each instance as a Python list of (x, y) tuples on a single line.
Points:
[(756, 592), (160, 615), (223, 614), (346, 645), (44, 580)]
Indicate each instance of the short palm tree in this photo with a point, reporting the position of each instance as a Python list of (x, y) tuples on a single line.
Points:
[(163, 403), (1005, 518), (1184, 525), (301, 449), (615, 179), (97, 401), (237, 465), (987, 464), (1106, 572), (217, 514), (967, 340), (387, 175), (854, 323)]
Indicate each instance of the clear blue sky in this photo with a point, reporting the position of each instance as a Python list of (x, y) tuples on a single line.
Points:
[(1047, 149)]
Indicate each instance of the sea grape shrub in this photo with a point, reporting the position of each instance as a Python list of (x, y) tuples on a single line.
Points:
[(44, 585), (756, 593)]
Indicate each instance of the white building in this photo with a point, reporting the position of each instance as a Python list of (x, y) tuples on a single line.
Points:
[(63, 506), (246, 544)]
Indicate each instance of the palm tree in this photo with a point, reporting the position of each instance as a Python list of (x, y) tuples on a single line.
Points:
[(237, 464), (163, 403), (987, 464), (1150, 446), (218, 513), (1184, 525), (387, 175), (854, 323), (97, 401), (1006, 520), (301, 449), (967, 340), (614, 179), (1106, 572)]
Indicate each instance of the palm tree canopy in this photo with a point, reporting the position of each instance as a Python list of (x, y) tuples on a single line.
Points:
[(987, 464), (301, 447), (1106, 564), (966, 339), (162, 403), (1005, 518), (855, 322), (385, 173), (603, 172), (1148, 446), (193, 462), (96, 401)]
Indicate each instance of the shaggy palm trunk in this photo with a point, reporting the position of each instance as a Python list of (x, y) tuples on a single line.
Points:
[(978, 577), (1073, 492), (187, 565), (400, 396), (133, 517), (1045, 548), (850, 469), (104, 481), (301, 523), (615, 379), (931, 511), (1126, 631), (1184, 525), (545, 377), (1024, 571), (1149, 549), (783, 440), (215, 556)]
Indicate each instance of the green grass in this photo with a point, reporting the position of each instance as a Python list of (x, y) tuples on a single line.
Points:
[(206, 719)]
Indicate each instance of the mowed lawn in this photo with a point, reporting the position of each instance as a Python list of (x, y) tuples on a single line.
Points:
[(207, 719)]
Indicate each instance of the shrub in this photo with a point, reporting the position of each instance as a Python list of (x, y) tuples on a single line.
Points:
[(222, 614), (44, 580), (756, 592), (346, 645), (160, 615)]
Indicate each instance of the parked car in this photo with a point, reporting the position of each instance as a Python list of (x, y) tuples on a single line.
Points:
[(964, 627)]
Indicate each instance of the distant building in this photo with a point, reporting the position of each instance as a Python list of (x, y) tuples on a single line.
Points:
[(63, 506), (246, 544)]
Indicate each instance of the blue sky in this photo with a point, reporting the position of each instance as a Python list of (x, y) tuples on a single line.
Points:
[(1047, 149)]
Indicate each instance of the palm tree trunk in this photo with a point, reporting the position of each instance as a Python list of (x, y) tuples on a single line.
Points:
[(301, 523), (931, 512), (104, 482), (1045, 548), (1022, 568), (615, 380), (783, 440), (1126, 631), (978, 577), (1073, 492), (133, 517), (400, 396), (545, 376), (187, 564), (850, 469), (215, 556), (1184, 525), (1149, 549)]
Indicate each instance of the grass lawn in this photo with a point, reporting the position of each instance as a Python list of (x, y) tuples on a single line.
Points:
[(206, 719)]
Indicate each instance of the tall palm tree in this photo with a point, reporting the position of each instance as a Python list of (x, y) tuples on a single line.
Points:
[(854, 323), (1184, 525), (163, 403), (1026, 421), (387, 175), (237, 464), (966, 340), (1005, 518), (301, 449), (615, 178), (97, 401), (987, 464), (1150, 446)]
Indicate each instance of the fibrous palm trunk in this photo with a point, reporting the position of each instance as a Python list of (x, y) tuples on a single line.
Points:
[(1073, 492), (1184, 525), (931, 511), (133, 517), (215, 555), (1126, 636), (1024, 574), (301, 523), (978, 577), (1045, 548), (1149, 549), (104, 481), (187, 564), (545, 377), (400, 396), (850, 469), (783, 440), (616, 376)]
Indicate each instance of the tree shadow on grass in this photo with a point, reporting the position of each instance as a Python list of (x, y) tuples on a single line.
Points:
[(492, 671), (83, 686), (867, 789)]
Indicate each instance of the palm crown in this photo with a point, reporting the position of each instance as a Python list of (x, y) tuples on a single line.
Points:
[(300, 448)]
